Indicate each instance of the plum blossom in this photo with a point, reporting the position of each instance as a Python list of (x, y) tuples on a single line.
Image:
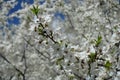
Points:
[(46, 48)]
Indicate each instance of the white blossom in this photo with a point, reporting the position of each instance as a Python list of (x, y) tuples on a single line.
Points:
[(84, 45)]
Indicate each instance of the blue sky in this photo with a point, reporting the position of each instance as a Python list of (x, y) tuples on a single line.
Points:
[(18, 6), (16, 20)]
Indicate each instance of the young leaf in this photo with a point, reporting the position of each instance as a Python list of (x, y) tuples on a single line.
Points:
[(71, 77), (98, 41), (59, 60), (92, 57), (108, 65), (35, 10)]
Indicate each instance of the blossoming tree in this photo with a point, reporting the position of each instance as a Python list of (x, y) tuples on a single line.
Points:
[(82, 45)]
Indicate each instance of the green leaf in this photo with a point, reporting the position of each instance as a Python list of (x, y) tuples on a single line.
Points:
[(58, 61), (39, 30), (98, 41), (35, 10), (71, 77), (92, 57), (108, 65)]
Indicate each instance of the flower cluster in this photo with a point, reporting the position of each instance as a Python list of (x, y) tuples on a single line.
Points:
[(83, 46)]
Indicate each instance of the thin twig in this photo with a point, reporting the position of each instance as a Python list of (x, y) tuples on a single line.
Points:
[(69, 20), (36, 49), (81, 78), (4, 58)]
